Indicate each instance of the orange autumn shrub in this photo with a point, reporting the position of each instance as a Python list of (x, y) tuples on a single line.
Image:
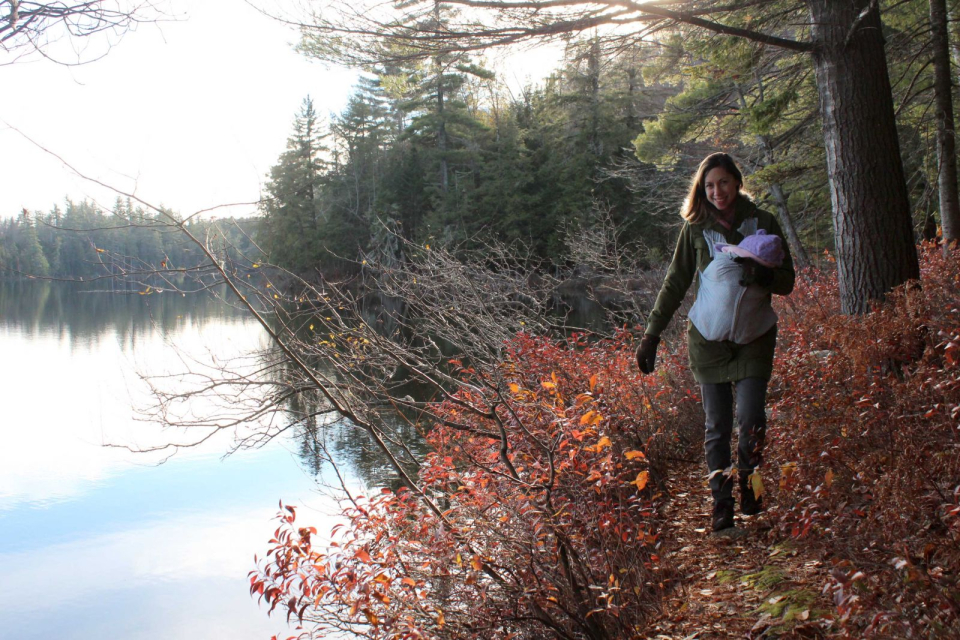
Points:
[(536, 513), (543, 480), (867, 437)]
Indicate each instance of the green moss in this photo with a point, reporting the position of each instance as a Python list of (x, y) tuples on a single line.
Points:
[(765, 579), (788, 605), (723, 576)]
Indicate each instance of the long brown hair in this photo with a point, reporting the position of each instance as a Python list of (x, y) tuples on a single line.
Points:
[(696, 208)]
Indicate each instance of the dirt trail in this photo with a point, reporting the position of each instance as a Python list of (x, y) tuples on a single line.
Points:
[(741, 583)]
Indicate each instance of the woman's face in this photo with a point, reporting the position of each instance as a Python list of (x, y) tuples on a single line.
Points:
[(722, 188)]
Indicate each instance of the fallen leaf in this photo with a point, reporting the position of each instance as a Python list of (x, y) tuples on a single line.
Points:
[(642, 478), (757, 484)]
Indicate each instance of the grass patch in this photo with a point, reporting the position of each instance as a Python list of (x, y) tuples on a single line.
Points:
[(789, 605), (766, 579), (723, 576)]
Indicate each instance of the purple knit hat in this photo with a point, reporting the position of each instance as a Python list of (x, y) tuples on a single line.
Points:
[(763, 247)]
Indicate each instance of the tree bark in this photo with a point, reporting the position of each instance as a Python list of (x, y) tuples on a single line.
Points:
[(441, 131), (441, 117), (954, 40), (946, 134), (871, 210), (800, 257), (593, 69)]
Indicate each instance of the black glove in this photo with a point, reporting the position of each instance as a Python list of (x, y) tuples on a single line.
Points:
[(647, 353), (754, 272)]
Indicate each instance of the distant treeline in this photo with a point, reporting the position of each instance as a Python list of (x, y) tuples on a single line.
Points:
[(81, 240)]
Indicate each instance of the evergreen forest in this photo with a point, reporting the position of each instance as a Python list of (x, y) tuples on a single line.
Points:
[(440, 150), (124, 247)]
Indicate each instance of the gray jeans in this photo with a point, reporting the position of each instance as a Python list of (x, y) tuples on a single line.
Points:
[(752, 420)]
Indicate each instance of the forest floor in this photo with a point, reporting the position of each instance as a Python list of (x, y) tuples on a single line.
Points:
[(739, 583)]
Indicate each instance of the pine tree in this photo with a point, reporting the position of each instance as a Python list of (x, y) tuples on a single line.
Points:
[(292, 206)]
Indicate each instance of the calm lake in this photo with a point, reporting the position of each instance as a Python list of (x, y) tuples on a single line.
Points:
[(102, 542)]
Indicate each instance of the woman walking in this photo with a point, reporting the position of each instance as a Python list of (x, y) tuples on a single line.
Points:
[(730, 344)]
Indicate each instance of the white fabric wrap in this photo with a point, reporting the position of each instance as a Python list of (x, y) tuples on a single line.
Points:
[(724, 310)]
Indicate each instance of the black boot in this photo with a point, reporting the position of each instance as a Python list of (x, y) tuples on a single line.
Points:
[(723, 514), (750, 504)]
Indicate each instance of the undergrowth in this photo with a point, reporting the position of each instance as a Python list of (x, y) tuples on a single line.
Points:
[(866, 417), (537, 512)]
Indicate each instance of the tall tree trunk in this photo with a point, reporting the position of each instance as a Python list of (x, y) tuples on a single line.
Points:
[(441, 132), (954, 40), (441, 117), (634, 82), (871, 210), (798, 251), (946, 135), (593, 69), (800, 257)]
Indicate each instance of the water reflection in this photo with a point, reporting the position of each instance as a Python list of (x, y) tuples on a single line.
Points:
[(95, 541), (322, 436), (325, 438), (353, 449), (97, 324), (86, 314), (583, 312), (98, 542)]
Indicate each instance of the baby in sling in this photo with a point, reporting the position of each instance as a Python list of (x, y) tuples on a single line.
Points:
[(726, 309)]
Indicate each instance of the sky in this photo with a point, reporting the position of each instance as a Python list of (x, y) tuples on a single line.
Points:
[(189, 113)]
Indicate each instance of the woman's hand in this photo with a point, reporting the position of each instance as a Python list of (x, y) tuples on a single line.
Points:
[(754, 272), (647, 353)]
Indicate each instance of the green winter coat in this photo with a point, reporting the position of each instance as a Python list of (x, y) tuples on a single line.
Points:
[(713, 361)]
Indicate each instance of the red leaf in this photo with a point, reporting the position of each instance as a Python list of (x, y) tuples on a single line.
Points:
[(363, 556)]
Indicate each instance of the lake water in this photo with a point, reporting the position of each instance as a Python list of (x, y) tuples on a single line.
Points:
[(101, 542)]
